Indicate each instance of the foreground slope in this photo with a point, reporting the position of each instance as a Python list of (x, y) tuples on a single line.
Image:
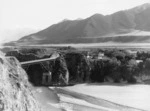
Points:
[(17, 94), (15, 90)]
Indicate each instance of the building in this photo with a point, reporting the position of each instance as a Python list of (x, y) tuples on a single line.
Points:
[(100, 55), (46, 78), (132, 52)]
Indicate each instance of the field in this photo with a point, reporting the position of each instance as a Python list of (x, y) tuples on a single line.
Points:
[(80, 45)]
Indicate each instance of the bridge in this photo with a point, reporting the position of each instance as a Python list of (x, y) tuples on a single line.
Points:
[(39, 60), (46, 76), (43, 62)]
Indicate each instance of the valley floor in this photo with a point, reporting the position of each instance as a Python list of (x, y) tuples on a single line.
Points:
[(91, 45), (104, 97), (94, 97)]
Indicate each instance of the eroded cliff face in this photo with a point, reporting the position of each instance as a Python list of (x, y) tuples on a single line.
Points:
[(15, 90)]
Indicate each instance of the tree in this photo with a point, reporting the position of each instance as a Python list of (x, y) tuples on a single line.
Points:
[(60, 72), (97, 71), (78, 66), (113, 69), (129, 71), (147, 64)]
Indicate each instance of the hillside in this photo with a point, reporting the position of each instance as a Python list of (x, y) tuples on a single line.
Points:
[(130, 25), (15, 90)]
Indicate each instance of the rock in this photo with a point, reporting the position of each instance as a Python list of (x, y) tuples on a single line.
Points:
[(15, 90), (78, 67), (60, 74)]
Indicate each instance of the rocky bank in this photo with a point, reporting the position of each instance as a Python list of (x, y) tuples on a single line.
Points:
[(15, 90)]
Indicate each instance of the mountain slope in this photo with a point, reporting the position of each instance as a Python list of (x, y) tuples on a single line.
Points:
[(98, 28)]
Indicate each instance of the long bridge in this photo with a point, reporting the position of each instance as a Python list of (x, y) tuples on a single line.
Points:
[(39, 60), (46, 76)]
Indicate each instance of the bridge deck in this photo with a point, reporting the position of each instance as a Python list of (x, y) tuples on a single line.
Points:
[(37, 61)]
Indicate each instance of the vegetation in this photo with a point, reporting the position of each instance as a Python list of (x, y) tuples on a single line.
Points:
[(73, 66)]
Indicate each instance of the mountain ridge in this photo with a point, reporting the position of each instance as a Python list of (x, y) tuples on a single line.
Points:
[(98, 27)]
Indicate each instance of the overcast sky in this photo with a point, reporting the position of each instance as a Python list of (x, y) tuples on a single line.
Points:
[(39, 14)]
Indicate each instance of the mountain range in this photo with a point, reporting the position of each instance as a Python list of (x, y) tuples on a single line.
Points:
[(15, 33), (132, 25)]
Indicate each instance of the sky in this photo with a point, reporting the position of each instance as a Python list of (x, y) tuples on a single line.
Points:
[(39, 14)]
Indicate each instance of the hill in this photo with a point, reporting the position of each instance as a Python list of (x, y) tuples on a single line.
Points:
[(130, 25)]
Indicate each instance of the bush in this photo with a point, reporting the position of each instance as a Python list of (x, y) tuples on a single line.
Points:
[(132, 80), (97, 71), (147, 64)]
